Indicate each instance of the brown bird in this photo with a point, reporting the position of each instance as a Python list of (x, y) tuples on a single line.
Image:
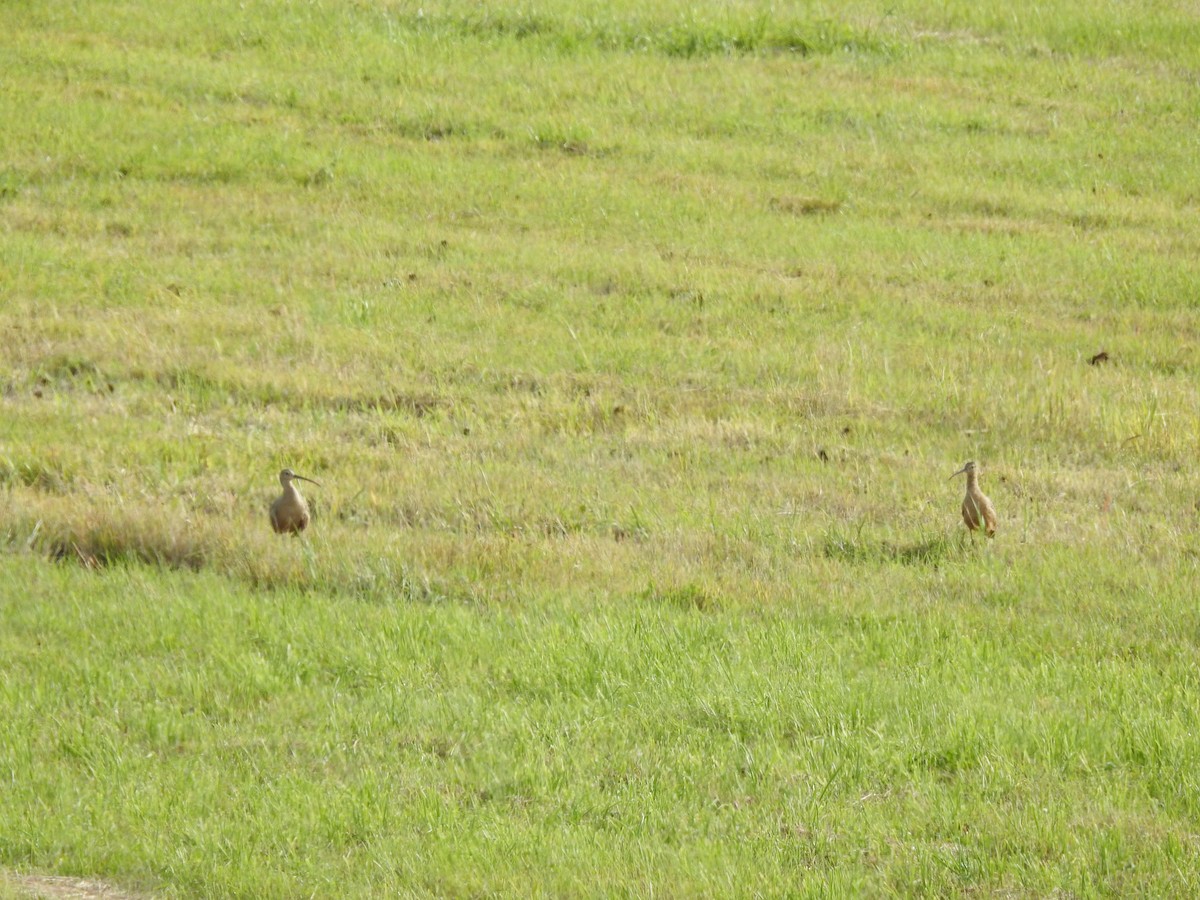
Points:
[(289, 512), (977, 509)]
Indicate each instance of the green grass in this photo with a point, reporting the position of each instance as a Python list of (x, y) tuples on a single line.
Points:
[(633, 346)]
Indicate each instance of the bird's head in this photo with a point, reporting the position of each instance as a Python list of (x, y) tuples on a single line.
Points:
[(286, 476), (969, 467)]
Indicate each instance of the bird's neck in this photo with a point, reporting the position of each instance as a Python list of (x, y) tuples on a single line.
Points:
[(972, 482)]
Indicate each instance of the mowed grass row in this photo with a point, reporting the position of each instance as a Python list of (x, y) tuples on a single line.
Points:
[(632, 348)]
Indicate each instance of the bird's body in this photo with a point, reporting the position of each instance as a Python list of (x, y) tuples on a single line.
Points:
[(289, 512), (977, 509)]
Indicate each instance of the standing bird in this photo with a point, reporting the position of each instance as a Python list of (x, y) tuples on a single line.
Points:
[(289, 512), (977, 509)]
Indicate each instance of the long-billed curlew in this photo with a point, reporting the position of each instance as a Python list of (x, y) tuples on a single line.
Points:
[(977, 509), (289, 512)]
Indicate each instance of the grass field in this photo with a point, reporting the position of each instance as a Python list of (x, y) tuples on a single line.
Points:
[(632, 345)]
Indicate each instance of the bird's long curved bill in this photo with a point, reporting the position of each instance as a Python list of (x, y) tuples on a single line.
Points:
[(309, 480), (959, 472)]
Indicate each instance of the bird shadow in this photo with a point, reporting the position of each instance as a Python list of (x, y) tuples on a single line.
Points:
[(929, 551)]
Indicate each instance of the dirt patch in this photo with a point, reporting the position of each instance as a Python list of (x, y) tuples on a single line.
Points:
[(66, 887)]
